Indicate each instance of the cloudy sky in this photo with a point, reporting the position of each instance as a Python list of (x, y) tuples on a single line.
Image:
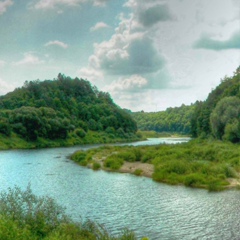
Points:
[(149, 55)]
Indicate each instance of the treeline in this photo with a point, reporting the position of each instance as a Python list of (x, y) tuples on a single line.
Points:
[(173, 120), (53, 109), (219, 115)]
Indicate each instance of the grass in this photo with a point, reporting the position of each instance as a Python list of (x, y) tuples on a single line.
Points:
[(16, 142), (25, 216), (154, 134), (198, 163)]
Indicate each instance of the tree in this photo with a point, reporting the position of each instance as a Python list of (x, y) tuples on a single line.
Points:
[(225, 118)]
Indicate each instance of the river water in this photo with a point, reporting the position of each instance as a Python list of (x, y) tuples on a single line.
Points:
[(117, 200)]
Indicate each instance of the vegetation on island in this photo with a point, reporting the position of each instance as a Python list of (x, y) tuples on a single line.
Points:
[(62, 111), (198, 163), (25, 216)]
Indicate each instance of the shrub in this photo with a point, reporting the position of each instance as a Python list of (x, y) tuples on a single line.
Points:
[(194, 180), (214, 185), (40, 215), (9, 230), (25, 216), (127, 156), (80, 157), (96, 166), (80, 132), (229, 172), (138, 172), (113, 162)]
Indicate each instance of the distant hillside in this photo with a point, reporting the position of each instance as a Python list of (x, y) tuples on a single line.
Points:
[(219, 115), (173, 120), (62, 108)]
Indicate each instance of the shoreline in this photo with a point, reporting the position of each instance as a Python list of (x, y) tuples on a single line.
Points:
[(147, 169)]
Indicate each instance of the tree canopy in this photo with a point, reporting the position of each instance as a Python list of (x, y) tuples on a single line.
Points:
[(219, 115), (54, 108), (173, 120)]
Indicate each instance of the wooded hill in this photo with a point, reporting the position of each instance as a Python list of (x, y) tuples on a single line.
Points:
[(56, 109), (219, 115), (173, 120)]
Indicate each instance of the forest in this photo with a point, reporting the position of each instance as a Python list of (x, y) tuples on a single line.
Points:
[(219, 115), (173, 120), (63, 108)]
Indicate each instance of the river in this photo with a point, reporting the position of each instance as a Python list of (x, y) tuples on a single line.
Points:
[(117, 200)]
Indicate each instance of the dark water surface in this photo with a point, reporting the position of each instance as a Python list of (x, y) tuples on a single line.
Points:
[(118, 200)]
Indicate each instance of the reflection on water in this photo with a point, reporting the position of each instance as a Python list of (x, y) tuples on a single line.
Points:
[(123, 200)]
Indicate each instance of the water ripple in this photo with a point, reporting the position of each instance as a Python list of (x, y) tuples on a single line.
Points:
[(121, 200)]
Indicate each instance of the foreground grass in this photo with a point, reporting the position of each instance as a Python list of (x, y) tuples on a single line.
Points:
[(25, 216), (201, 164)]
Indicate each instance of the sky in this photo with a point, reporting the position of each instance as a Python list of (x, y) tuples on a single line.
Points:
[(149, 55)]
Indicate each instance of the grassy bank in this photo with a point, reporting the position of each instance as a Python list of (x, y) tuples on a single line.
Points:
[(201, 164), (154, 134), (16, 142), (25, 216)]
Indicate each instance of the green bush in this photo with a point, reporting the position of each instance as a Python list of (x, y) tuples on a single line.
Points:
[(80, 132), (96, 166), (80, 157), (10, 230), (127, 156), (214, 185), (194, 180), (40, 215), (138, 172), (113, 162)]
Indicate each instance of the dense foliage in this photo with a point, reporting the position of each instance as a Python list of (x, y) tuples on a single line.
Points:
[(55, 109), (173, 120), (219, 115), (198, 163), (25, 216)]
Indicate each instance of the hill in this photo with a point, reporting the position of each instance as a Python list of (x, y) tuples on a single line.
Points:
[(219, 115), (173, 120), (62, 109)]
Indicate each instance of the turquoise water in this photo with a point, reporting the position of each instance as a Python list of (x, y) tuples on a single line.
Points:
[(151, 209)]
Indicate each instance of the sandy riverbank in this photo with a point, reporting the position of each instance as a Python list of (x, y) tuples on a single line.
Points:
[(130, 167)]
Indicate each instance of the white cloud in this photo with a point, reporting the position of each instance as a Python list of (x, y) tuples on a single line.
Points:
[(131, 84), (56, 43), (127, 52), (5, 87), (29, 59), (4, 5), (99, 25), (90, 74), (100, 2), (51, 4)]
